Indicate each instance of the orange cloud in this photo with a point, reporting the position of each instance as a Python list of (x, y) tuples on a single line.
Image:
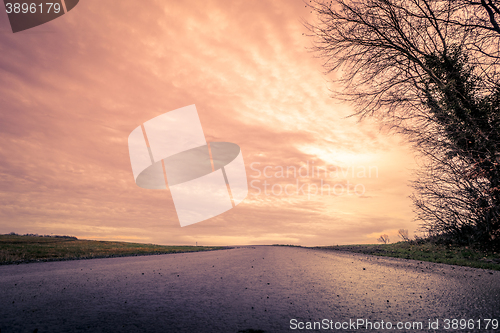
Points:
[(73, 89)]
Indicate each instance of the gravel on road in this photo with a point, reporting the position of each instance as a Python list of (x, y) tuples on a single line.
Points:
[(245, 289)]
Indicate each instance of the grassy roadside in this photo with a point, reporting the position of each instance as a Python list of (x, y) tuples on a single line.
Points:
[(16, 249), (461, 256)]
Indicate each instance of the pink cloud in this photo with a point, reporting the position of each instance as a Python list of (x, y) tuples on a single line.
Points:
[(73, 89)]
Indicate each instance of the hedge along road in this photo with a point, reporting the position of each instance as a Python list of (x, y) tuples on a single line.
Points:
[(267, 288)]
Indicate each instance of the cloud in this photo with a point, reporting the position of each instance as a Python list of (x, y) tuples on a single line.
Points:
[(73, 89)]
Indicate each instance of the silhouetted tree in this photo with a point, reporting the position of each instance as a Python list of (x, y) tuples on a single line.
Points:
[(403, 234), (430, 70), (383, 239)]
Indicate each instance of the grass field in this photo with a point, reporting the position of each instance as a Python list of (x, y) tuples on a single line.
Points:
[(16, 248), (462, 256)]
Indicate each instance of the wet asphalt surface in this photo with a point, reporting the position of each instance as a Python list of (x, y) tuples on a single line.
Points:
[(243, 289)]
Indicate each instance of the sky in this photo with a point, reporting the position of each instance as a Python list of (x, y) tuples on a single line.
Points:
[(73, 89)]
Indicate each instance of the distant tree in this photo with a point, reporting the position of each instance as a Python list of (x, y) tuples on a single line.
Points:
[(383, 239), (403, 234)]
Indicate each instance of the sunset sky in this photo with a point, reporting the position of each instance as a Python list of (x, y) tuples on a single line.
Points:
[(72, 90)]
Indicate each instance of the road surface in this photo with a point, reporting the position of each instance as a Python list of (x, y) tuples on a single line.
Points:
[(246, 289)]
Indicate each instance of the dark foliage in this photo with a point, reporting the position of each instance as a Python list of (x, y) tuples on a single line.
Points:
[(429, 69)]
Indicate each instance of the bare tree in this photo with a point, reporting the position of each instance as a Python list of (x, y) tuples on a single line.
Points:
[(383, 239), (430, 70), (403, 234)]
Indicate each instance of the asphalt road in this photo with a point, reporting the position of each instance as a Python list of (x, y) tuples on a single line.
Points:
[(273, 289)]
